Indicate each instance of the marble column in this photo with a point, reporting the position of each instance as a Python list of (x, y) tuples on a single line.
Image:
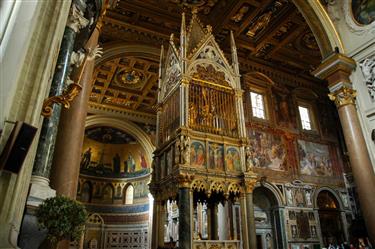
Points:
[(283, 231), (67, 155), (318, 228), (214, 222), (344, 225), (41, 171), (184, 229), (250, 220), (336, 69), (161, 222), (230, 220), (249, 184), (155, 224), (244, 227), (209, 232)]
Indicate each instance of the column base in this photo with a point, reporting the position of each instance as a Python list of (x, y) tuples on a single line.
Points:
[(39, 191)]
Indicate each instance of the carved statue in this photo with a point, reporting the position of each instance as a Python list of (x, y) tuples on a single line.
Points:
[(192, 114), (185, 151), (249, 159)]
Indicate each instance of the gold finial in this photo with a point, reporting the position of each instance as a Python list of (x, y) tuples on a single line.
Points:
[(194, 11), (209, 29), (171, 38)]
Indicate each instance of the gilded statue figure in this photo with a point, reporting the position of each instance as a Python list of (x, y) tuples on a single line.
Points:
[(260, 24), (192, 114)]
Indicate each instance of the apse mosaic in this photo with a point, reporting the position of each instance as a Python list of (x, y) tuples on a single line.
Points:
[(216, 156), (197, 154), (267, 150), (314, 159), (363, 11), (232, 159), (112, 153)]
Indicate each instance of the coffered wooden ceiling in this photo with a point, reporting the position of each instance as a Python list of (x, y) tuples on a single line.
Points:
[(270, 32)]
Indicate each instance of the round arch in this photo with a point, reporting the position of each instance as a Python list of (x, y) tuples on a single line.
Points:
[(321, 25), (316, 194), (274, 190), (115, 49), (126, 126)]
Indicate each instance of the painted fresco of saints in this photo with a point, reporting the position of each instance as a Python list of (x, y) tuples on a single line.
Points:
[(219, 160), (193, 155), (216, 156), (197, 154), (130, 163), (116, 163), (86, 158), (237, 161), (229, 161), (200, 156), (143, 162)]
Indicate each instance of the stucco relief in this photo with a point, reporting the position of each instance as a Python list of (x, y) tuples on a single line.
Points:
[(353, 25), (336, 9), (368, 71)]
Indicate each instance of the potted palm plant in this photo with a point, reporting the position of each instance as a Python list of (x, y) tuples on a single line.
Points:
[(64, 218)]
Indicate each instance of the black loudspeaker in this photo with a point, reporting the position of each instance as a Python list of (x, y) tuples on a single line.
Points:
[(17, 146)]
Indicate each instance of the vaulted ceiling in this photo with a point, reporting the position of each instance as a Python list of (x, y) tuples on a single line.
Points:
[(269, 32)]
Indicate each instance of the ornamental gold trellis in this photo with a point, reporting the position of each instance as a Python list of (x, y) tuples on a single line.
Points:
[(200, 123)]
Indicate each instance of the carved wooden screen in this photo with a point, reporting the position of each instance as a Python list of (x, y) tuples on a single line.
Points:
[(212, 108)]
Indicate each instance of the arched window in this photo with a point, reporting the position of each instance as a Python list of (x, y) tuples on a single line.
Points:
[(108, 194), (86, 192), (129, 194)]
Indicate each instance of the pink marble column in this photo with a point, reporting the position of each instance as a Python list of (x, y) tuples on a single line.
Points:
[(336, 69), (66, 161)]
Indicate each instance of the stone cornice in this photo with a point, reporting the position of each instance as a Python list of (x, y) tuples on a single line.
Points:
[(336, 69), (135, 116), (281, 77)]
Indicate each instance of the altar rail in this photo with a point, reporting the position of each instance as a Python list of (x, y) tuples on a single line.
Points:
[(216, 244)]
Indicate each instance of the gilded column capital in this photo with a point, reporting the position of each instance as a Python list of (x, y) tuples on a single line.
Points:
[(343, 96), (76, 20), (185, 80), (249, 185), (184, 180), (239, 93)]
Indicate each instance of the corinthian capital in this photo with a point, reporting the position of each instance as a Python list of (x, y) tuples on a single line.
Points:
[(343, 96), (76, 21)]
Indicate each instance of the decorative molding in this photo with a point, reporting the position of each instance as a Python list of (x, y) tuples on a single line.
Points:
[(121, 112), (76, 21), (354, 27), (65, 99)]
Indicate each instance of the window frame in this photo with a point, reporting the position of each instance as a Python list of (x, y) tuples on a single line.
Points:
[(263, 93), (311, 112)]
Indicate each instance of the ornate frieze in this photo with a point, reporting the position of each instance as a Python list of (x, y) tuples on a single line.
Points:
[(368, 71)]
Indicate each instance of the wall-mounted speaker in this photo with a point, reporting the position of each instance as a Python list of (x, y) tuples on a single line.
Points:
[(17, 146)]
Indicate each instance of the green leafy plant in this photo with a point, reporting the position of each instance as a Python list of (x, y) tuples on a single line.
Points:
[(64, 218)]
